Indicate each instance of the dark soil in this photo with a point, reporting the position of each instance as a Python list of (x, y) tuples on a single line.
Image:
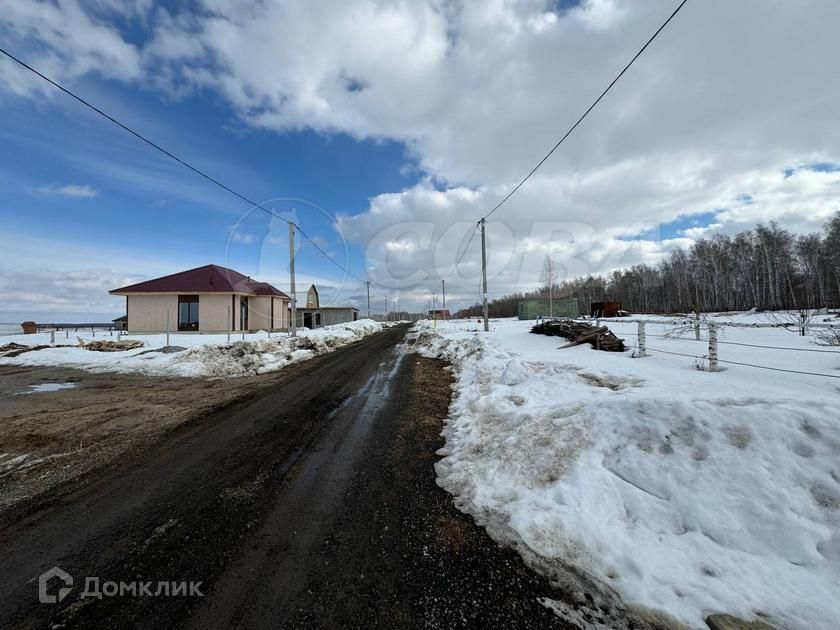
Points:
[(310, 503)]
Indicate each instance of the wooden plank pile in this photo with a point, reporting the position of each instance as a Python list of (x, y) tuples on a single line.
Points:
[(599, 337)]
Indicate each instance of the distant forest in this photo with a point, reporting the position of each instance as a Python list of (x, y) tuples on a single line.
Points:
[(767, 268)]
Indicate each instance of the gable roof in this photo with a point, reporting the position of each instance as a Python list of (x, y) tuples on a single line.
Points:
[(206, 279), (313, 299)]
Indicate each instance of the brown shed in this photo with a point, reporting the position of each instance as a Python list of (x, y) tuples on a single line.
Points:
[(605, 309)]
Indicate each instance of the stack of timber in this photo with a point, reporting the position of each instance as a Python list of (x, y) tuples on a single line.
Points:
[(599, 337)]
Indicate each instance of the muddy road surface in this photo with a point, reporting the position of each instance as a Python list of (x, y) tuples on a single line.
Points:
[(311, 503)]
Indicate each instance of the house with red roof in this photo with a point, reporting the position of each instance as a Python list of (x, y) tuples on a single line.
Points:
[(205, 299)]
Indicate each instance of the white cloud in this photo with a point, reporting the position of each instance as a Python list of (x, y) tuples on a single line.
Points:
[(70, 190), (719, 106), (243, 237), (65, 41), (728, 97), (62, 295)]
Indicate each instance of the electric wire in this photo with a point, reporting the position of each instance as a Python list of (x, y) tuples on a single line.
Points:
[(169, 154), (590, 108)]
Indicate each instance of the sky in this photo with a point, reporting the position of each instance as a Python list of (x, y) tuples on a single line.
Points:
[(386, 129)]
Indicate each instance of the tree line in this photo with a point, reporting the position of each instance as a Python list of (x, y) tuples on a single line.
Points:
[(766, 268)]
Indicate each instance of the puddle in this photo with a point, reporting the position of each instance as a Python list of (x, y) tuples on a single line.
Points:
[(48, 387)]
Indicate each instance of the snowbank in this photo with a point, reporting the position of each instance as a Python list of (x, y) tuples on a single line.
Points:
[(204, 355), (683, 491)]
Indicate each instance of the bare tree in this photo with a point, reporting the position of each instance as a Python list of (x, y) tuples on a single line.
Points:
[(828, 337), (767, 268), (548, 280)]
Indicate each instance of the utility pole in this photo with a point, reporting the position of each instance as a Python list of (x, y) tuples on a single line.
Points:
[(484, 275), (443, 294), (385, 312), (293, 323), (368, 295)]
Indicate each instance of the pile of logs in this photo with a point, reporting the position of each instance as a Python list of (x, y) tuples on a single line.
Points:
[(599, 337)]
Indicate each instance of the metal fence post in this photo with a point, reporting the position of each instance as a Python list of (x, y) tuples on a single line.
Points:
[(52, 337), (713, 347), (167, 327), (642, 340)]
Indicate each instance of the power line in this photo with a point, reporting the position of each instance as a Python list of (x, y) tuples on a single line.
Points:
[(326, 255), (589, 109), (458, 261), (171, 155)]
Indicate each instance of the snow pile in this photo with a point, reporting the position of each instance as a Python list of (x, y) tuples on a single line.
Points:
[(267, 355), (205, 355), (683, 491)]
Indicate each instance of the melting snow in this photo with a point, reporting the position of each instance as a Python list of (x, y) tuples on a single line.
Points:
[(686, 492), (205, 355), (49, 387)]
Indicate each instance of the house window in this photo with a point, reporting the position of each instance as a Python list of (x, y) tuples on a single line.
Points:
[(187, 312)]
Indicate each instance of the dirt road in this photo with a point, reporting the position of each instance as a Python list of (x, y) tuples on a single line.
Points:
[(311, 503), (86, 421)]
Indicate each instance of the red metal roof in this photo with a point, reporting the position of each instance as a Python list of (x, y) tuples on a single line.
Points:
[(206, 279)]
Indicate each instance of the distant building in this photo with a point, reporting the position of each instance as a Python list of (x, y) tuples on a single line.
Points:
[(440, 313), (120, 323), (204, 299), (313, 315), (532, 308), (605, 309)]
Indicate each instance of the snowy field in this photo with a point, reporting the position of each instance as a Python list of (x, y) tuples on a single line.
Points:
[(684, 491), (202, 355)]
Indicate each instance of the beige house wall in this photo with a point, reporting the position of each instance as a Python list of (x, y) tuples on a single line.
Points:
[(213, 311), (147, 313), (281, 313), (259, 313)]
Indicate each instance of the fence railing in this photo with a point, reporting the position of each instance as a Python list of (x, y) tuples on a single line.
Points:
[(713, 340)]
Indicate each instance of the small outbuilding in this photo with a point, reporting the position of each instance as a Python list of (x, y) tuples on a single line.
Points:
[(605, 309), (120, 323), (313, 315)]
